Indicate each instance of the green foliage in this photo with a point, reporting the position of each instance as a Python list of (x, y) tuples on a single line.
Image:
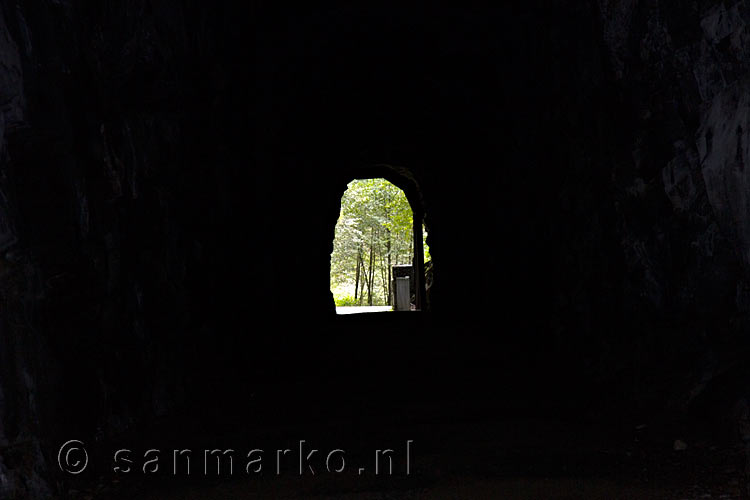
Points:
[(374, 231), (346, 300)]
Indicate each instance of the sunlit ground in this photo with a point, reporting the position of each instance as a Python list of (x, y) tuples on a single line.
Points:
[(362, 309)]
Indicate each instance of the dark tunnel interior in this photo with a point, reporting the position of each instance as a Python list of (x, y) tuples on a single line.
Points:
[(171, 173)]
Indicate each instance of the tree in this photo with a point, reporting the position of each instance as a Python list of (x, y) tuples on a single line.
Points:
[(373, 233)]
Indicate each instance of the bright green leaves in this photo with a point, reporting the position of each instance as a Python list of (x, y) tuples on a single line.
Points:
[(374, 232)]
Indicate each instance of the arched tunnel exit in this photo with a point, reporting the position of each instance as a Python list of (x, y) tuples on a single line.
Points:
[(381, 217), (380, 259)]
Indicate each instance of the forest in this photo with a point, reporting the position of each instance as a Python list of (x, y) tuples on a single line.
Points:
[(374, 232)]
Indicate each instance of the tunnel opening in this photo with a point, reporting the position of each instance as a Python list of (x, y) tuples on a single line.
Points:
[(380, 259)]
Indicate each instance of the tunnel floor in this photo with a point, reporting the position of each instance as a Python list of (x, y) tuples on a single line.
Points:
[(457, 456), (494, 426)]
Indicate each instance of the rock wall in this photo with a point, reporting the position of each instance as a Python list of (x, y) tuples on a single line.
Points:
[(682, 72), (121, 130)]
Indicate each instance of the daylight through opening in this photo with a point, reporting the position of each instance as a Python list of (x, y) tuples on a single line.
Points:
[(373, 265)]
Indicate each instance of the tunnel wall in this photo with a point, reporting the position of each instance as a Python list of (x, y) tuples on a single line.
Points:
[(122, 127)]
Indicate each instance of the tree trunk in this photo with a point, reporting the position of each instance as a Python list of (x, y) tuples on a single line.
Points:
[(371, 269), (359, 265), (383, 278), (363, 280), (388, 252)]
